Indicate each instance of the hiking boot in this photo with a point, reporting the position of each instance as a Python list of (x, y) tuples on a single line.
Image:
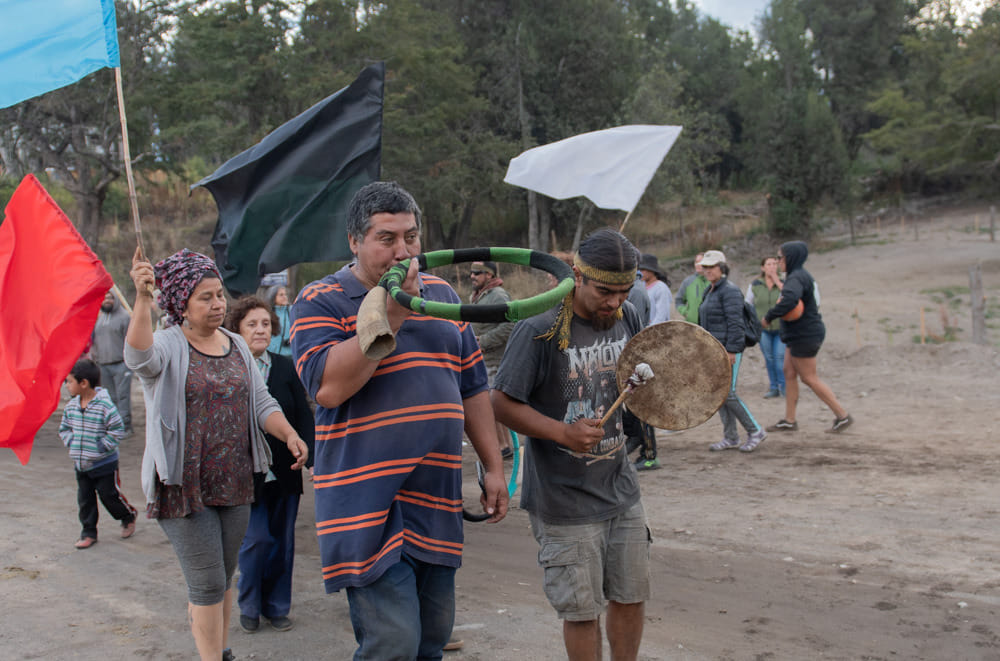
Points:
[(647, 464), (771, 394), (281, 623), (724, 444), (840, 424), (753, 440), (784, 425), (249, 624)]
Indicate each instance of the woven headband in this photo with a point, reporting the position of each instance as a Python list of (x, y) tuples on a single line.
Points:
[(600, 275)]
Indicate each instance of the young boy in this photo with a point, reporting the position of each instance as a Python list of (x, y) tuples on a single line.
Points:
[(91, 428)]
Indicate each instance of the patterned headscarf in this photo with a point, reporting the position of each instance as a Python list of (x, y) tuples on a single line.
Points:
[(177, 276)]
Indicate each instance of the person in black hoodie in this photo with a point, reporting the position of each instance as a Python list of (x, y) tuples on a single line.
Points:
[(721, 314), (803, 338)]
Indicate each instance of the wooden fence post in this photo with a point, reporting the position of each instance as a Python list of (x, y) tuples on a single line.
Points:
[(978, 304)]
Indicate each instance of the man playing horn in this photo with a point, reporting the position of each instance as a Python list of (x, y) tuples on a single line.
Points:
[(579, 488), (388, 466)]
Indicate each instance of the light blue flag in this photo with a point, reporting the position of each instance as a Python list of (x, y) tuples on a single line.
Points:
[(46, 44)]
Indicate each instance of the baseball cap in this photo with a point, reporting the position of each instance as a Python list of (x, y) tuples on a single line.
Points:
[(712, 257)]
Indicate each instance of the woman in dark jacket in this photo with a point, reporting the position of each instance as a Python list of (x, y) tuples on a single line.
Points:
[(721, 314), (267, 553), (803, 337)]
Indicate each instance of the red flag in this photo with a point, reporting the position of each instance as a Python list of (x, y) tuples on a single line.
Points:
[(51, 288)]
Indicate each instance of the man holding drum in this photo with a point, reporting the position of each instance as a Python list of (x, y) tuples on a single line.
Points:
[(579, 487), (388, 466)]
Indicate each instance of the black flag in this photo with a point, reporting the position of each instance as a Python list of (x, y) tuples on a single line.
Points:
[(284, 201)]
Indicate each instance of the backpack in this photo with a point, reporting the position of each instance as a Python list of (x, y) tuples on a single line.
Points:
[(751, 325)]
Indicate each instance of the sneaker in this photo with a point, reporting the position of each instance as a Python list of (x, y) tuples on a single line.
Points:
[(724, 444), (249, 624), (85, 542), (647, 464), (128, 529), (771, 394), (227, 654), (784, 425), (281, 623), (453, 644), (753, 440), (840, 424)]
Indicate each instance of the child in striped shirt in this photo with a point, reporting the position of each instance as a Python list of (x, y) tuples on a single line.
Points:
[(92, 428)]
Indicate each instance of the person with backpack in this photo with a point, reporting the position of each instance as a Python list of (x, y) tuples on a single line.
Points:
[(722, 314)]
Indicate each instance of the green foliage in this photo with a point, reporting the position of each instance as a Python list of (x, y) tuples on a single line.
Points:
[(225, 87), (939, 127), (897, 94)]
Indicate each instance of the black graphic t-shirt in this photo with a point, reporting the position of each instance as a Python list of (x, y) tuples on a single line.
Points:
[(561, 486)]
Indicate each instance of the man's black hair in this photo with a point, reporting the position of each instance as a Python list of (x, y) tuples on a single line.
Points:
[(378, 197), (609, 250)]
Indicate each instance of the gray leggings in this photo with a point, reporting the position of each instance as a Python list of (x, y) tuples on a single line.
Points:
[(207, 544)]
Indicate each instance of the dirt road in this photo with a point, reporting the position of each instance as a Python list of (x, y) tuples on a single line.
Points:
[(882, 543)]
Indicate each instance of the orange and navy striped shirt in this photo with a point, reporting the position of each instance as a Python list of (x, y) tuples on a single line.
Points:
[(388, 461)]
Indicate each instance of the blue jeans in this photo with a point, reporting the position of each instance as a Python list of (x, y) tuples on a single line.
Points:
[(406, 614), (267, 556), (774, 356)]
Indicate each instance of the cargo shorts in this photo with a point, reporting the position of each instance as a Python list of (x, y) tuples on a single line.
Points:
[(586, 565)]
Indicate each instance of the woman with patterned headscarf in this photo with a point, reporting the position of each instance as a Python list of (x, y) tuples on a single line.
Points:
[(207, 408)]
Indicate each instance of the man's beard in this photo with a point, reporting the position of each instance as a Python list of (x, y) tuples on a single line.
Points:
[(107, 306), (599, 323)]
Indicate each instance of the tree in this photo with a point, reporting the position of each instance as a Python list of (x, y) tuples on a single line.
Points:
[(437, 140), (854, 43), (794, 143), (550, 70), (225, 87), (940, 129)]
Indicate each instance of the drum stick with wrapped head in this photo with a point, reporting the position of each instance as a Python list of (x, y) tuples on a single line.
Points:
[(641, 375)]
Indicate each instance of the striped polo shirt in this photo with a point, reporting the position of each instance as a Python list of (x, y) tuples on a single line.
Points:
[(388, 461)]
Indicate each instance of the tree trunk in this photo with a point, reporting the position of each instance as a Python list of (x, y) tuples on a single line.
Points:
[(544, 205), (89, 220), (533, 241), (464, 223), (585, 212)]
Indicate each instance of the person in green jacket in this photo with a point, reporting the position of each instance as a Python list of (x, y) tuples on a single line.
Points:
[(763, 293), (691, 292)]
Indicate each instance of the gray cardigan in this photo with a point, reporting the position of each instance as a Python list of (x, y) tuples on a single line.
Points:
[(162, 369)]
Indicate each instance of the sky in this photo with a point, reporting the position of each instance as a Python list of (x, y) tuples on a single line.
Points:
[(741, 14), (738, 14)]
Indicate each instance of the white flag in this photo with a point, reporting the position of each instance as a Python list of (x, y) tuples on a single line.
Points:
[(611, 167)]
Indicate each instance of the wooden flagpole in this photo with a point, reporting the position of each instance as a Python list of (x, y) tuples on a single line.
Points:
[(621, 229), (127, 157)]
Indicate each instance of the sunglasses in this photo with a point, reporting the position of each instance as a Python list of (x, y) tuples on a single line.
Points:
[(477, 272)]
